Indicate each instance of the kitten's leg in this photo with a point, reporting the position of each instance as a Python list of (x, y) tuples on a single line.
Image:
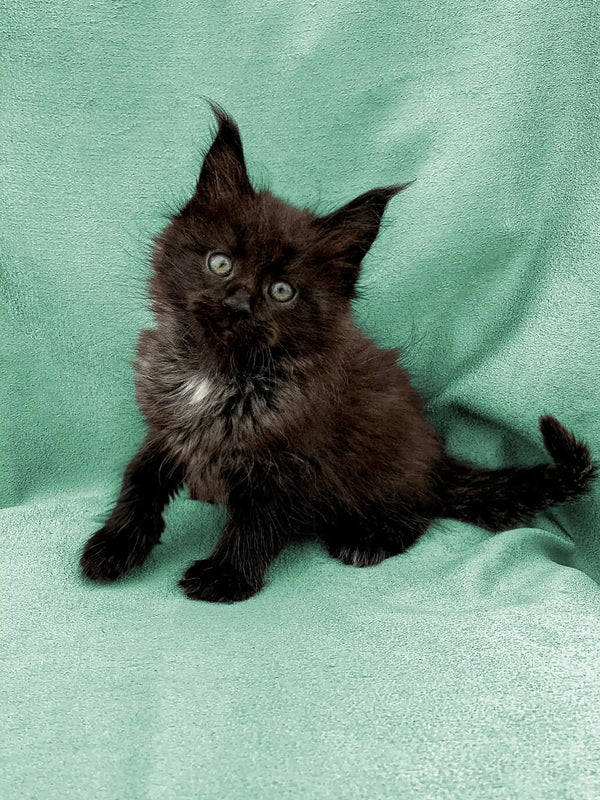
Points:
[(256, 529), (136, 523), (368, 538)]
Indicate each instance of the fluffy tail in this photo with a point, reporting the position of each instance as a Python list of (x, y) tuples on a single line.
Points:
[(499, 499)]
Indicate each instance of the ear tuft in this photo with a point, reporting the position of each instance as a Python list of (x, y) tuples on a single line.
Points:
[(224, 168)]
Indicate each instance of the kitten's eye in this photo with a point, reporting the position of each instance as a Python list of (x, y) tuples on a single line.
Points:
[(220, 264), (281, 291)]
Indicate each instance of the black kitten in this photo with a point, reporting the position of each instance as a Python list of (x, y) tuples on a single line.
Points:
[(261, 393)]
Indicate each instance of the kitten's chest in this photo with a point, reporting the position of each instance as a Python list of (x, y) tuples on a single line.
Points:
[(205, 432), (207, 422), (217, 413)]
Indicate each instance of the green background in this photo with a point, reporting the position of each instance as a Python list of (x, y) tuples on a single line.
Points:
[(466, 668)]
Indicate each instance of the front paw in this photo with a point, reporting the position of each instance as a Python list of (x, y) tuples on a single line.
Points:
[(110, 554), (359, 555), (216, 583)]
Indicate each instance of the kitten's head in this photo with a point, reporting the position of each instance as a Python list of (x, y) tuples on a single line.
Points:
[(247, 271)]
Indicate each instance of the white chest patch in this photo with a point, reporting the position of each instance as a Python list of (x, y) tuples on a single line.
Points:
[(199, 390)]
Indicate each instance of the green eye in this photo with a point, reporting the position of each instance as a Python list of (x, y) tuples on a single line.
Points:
[(220, 264), (281, 291)]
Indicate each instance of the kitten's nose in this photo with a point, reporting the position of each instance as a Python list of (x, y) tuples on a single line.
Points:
[(239, 301)]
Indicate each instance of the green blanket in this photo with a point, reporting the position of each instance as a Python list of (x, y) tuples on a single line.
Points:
[(467, 668)]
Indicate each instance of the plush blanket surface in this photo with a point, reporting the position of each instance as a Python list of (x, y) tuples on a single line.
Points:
[(467, 668)]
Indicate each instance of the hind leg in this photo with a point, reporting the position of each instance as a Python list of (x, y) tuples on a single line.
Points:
[(367, 539)]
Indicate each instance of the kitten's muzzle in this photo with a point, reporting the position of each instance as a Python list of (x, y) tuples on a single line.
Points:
[(238, 302)]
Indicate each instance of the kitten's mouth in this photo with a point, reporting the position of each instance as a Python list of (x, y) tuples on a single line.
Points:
[(237, 326), (238, 332), (242, 333)]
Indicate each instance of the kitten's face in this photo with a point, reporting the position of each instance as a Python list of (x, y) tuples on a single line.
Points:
[(249, 272)]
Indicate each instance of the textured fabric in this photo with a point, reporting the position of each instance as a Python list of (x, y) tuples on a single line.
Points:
[(467, 668)]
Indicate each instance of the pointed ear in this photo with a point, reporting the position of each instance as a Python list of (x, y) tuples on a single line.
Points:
[(346, 235), (352, 229), (224, 168)]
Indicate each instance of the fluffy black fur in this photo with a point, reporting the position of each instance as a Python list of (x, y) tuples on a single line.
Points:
[(280, 408)]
